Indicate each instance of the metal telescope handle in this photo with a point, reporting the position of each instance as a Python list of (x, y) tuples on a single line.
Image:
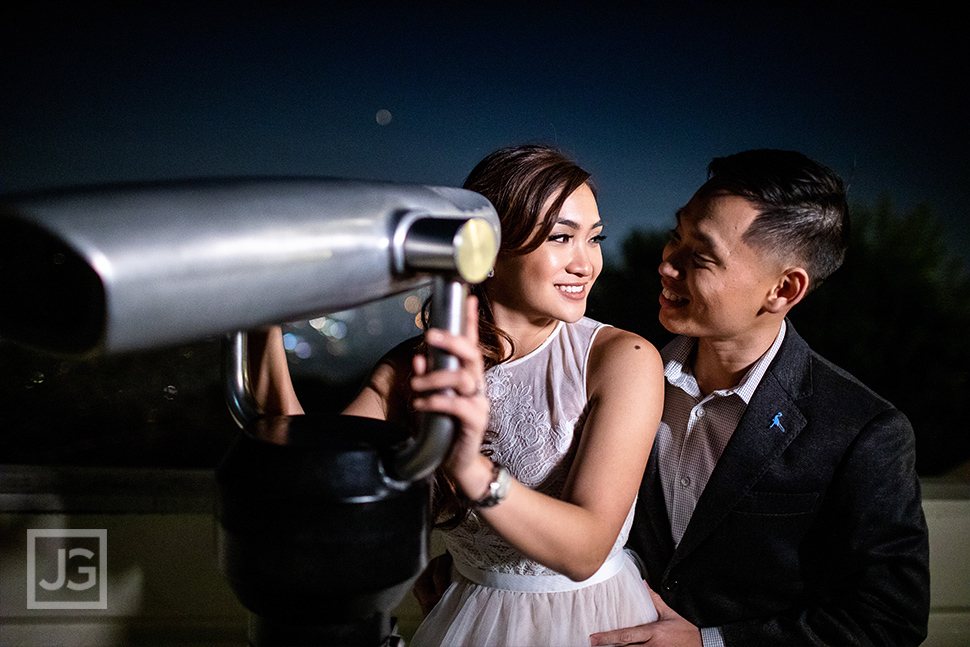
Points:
[(236, 380), (459, 251), (436, 431), (422, 454)]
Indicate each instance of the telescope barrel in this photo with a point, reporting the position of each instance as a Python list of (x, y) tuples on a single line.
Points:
[(130, 267)]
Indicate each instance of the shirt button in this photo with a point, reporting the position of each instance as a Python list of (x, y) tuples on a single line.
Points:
[(685, 481), (700, 413)]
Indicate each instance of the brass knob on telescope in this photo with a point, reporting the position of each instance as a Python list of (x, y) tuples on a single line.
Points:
[(463, 246), (475, 250)]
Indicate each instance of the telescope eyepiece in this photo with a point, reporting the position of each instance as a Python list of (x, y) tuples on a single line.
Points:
[(51, 298)]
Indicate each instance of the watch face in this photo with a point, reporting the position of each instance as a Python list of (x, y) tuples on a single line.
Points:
[(498, 489), (504, 482)]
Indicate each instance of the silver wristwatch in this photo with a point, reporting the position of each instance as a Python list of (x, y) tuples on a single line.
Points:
[(498, 489)]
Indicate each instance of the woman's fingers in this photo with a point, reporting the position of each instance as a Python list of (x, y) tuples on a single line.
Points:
[(462, 382), (473, 418), (461, 346), (420, 363), (456, 392)]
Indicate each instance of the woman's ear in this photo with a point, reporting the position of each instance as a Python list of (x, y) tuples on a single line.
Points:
[(792, 286)]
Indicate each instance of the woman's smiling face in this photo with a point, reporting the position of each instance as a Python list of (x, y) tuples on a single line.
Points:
[(553, 281)]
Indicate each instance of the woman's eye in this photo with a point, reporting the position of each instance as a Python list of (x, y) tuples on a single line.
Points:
[(596, 240), (560, 238)]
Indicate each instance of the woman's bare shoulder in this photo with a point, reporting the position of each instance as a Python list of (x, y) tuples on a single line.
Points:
[(611, 342), (619, 354)]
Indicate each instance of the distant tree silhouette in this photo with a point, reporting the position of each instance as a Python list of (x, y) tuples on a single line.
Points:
[(896, 315)]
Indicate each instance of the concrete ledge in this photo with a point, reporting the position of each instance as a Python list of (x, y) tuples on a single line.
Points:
[(67, 489), (168, 591), (946, 503)]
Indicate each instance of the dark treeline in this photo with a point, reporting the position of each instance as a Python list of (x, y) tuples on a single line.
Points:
[(896, 315)]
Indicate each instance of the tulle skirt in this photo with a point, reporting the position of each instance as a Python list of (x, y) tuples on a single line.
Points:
[(531, 611)]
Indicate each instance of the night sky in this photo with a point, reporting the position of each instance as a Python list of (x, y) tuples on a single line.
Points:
[(642, 94)]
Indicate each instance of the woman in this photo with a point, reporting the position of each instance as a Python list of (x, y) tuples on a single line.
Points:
[(565, 405)]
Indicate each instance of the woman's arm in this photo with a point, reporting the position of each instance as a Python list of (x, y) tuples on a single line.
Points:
[(572, 536), (383, 396), (270, 374), (385, 393)]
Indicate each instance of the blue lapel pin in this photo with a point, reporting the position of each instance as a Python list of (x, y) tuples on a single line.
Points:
[(776, 422)]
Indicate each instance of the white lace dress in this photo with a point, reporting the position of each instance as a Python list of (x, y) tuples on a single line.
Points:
[(498, 597)]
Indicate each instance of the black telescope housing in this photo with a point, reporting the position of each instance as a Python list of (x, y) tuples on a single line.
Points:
[(316, 541), (323, 520)]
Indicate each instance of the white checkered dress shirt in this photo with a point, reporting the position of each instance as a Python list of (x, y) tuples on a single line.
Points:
[(694, 430)]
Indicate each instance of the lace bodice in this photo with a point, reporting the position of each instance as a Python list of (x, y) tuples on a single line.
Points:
[(537, 408)]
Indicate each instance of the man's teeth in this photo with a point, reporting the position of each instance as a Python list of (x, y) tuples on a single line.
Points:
[(670, 296), (571, 289)]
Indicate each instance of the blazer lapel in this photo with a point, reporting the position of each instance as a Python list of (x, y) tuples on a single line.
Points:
[(769, 424)]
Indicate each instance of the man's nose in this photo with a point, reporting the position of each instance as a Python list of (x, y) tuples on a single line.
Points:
[(669, 266)]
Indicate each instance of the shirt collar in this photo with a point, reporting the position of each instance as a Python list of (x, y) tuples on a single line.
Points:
[(678, 352)]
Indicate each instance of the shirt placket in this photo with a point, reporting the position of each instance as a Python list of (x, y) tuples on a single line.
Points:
[(690, 469)]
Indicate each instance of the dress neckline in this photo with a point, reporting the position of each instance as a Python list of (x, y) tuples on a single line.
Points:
[(545, 342)]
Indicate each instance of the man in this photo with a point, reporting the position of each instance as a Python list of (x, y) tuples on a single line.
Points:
[(780, 505)]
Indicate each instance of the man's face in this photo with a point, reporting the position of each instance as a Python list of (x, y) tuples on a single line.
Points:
[(714, 284)]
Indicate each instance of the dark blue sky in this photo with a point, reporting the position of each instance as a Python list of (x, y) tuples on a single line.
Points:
[(643, 94)]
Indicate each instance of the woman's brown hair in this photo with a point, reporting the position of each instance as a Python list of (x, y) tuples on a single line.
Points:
[(518, 181)]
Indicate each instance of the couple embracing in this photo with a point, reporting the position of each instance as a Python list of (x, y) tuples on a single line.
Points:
[(734, 488)]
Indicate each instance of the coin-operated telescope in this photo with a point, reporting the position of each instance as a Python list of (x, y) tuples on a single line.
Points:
[(323, 520)]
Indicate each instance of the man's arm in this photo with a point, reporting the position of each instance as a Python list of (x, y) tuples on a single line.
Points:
[(668, 630)]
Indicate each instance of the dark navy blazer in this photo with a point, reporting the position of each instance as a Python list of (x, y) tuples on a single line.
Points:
[(809, 535)]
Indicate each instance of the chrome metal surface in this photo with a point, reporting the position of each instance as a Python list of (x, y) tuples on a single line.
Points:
[(236, 379), (164, 263), (422, 455)]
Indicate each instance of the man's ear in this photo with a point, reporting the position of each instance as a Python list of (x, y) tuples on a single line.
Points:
[(792, 286)]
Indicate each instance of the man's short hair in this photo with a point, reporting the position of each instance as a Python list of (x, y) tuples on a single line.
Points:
[(803, 214)]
